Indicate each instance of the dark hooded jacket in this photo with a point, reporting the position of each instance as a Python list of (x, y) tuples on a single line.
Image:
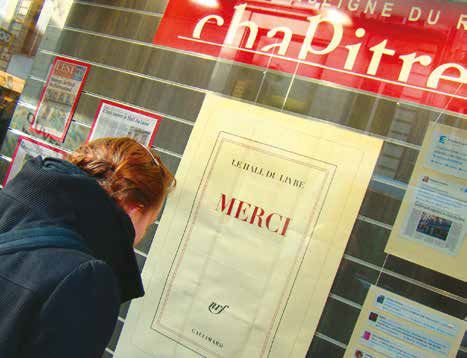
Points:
[(58, 302)]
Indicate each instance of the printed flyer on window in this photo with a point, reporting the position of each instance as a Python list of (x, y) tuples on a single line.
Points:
[(59, 98), (431, 228), (392, 326), (116, 120), (252, 237), (26, 149)]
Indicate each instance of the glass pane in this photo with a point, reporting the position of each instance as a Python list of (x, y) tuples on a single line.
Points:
[(140, 259), (4, 165), (396, 162), (150, 94), (107, 355), (116, 37), (321, 348), (9, 145), (148, 5), (124, 307), (235, 81), (425, 275), (367, 242), (145, 244), (173, 135), (353, 281), (382, 202), (115, 336), (124, 23), (274, 89), (338, 320), (170, 161), (422, 295)]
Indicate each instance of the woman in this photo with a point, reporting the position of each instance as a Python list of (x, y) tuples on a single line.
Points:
[(67, 230)]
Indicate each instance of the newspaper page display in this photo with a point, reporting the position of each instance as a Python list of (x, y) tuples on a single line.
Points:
[(59, 98), (392, 326), (431, 227), (115, 120), (251, 239), (26, 149)]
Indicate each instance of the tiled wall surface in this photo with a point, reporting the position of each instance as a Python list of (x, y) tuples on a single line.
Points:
[(115, 36)]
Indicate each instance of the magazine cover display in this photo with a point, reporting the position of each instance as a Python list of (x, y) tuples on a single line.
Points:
[(59, 98)]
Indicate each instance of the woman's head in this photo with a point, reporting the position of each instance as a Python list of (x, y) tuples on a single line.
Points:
[(132, 175)]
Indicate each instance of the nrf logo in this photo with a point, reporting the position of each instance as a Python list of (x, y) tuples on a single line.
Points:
[(443, 139), (216, 308)]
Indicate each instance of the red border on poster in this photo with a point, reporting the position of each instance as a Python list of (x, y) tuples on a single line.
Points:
[(128, 108), (42, 144), (75, 102)]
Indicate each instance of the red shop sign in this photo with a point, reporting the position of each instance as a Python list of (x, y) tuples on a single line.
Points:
[(415, 50)]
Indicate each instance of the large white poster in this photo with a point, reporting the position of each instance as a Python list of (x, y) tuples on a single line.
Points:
[(251, 239)]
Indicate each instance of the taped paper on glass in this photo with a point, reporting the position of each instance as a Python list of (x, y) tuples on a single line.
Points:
[(116, 120), (431, 226), (392, 326), (250, 241), (28, 148)]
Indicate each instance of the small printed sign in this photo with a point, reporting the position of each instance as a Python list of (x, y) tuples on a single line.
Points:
[(393, 326)]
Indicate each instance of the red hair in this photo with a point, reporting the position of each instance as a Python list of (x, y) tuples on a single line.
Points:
[(125, 170)]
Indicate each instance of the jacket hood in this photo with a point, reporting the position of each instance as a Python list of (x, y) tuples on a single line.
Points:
[(54, 192)]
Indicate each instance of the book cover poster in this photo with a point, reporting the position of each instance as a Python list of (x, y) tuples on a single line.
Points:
[(251, 239), (431, 227), (392, 326)]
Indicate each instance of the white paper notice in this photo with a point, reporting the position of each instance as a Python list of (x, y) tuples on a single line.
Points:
[(430, 228), (447, 152), (437, 214), (250, 241), (116, 120), (397, 327)]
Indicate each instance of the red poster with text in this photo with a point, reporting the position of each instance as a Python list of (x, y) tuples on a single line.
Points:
[(406, 49)]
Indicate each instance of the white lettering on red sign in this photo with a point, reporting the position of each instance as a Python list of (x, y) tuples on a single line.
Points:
[(378, 51)]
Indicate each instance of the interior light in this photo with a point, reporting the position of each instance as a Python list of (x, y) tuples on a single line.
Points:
[(337, 16), (207, 3)]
